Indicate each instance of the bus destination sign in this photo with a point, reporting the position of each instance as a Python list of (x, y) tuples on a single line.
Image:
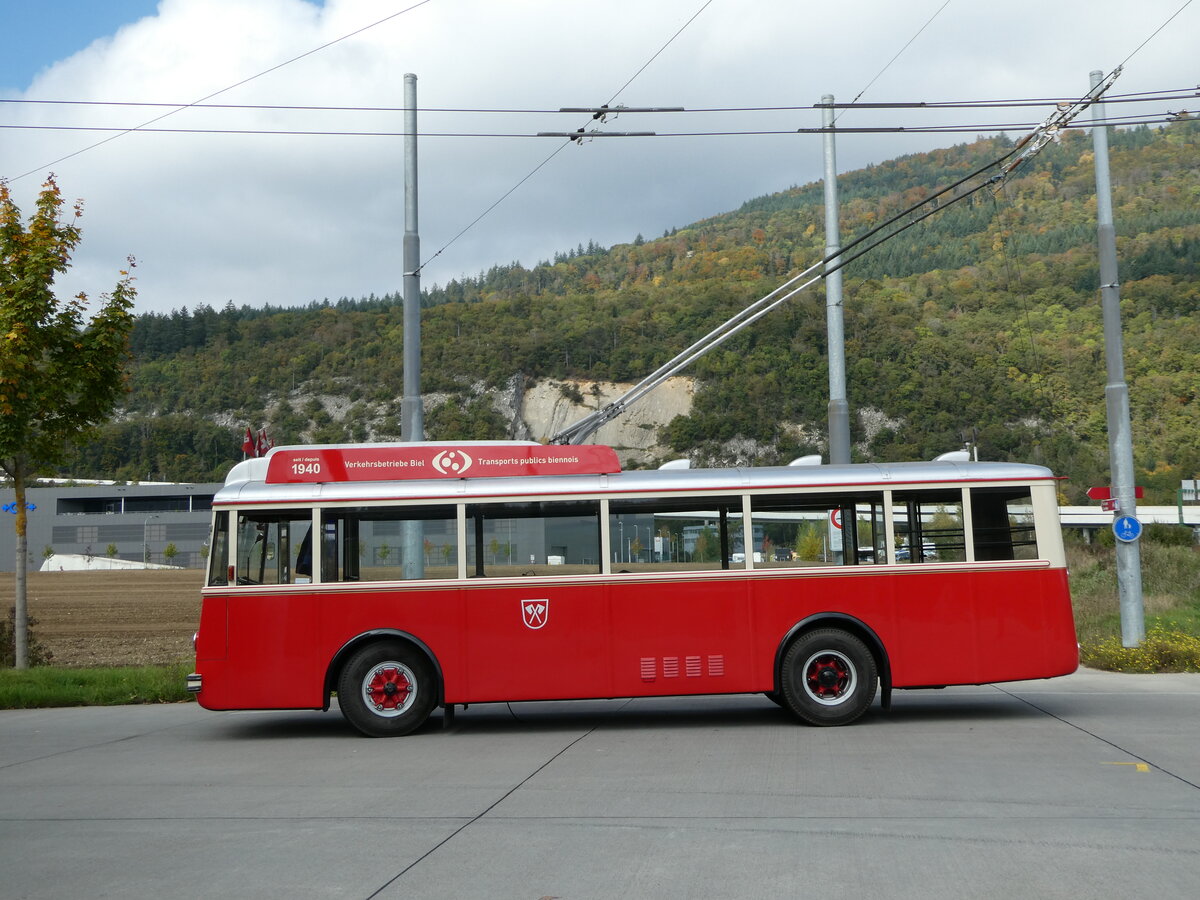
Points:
[(400, 462)]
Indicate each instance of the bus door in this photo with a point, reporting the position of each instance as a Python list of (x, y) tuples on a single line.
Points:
[(536, 613), (679, 596), (272, 625)]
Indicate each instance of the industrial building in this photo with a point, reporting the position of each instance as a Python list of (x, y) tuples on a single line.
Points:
[(147, 523)]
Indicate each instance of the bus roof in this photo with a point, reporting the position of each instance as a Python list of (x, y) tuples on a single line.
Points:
[(447, 472)]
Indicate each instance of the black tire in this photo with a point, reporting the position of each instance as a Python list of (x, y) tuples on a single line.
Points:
[(387, 689), (828, 677)]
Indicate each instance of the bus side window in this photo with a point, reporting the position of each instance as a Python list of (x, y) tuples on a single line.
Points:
[(218, 555), (1002, 523), (929, 526), (389, 543), (795, 531), (271, 547), (540, 537), (675, 535)]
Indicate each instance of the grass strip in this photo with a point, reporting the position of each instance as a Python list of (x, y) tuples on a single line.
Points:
[(47, 686)]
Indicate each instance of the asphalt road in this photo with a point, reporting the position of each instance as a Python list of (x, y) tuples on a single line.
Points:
[(1087, 786)]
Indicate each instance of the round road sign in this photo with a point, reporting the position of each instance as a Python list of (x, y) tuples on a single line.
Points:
[(1127, 528)]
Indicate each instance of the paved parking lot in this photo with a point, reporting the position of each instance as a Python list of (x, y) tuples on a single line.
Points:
[(1087, 786)]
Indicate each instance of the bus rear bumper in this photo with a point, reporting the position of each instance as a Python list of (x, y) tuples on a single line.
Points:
[(193, 683)]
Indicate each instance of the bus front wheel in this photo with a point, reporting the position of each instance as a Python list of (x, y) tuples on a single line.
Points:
[(387, 689), (828, 677)]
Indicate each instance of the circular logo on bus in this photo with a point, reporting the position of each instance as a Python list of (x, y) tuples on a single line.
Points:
[(452, 462)]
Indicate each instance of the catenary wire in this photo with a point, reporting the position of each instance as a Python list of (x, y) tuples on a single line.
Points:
[(223, 90), (879, 74), (1113, 99), (558, 149), (1170, 19), (670, 40), (1118, 121)]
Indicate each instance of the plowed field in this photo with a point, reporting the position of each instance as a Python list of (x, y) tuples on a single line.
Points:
[(112, 618)]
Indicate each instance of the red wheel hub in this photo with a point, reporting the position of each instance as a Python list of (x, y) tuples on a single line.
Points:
[(388, 688), (828, 676)]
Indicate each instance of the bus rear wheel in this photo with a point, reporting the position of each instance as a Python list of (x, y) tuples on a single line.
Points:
[(828, 677), (387, 689)]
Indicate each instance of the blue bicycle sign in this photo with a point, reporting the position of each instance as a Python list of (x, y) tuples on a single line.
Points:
[(1127, 528)]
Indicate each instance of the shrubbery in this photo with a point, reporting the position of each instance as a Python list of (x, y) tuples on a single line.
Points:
[(1163, 650), (38, 654)]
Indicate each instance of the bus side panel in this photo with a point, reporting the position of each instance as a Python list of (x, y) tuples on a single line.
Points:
[(219, 690), (271, 660), (1024, 625), (432, 615), (686, 636), (937, 626), (782, 601), (541, 640), (974, 627)]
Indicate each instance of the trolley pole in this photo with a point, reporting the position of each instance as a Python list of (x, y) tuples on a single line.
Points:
[(1116, 394), (839, 408), (412, 415)]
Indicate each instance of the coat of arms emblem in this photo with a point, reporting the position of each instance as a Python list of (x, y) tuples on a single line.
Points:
[(534, 613)]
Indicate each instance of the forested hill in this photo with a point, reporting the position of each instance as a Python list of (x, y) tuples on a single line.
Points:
[(982, 321)]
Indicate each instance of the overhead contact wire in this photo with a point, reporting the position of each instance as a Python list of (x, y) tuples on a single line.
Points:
[(565, 143), (223, 90)]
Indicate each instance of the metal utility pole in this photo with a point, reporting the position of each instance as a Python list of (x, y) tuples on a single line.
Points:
[(412, 415), (1116, 395), (839, 408)]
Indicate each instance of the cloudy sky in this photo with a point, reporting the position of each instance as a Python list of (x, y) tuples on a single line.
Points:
[(215, 212)]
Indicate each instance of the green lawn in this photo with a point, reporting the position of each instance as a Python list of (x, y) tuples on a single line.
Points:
[(44, 686)]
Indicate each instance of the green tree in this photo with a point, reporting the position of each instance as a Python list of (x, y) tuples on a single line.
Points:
[(59, 375), (810, 542), (707, 547)]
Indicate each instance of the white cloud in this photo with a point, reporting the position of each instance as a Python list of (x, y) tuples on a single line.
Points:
[(262, 218)]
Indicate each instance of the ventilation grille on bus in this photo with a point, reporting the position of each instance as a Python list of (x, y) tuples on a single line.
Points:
[(655, 667)]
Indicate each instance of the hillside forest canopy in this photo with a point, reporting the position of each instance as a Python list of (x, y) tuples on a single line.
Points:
[(981, 323)]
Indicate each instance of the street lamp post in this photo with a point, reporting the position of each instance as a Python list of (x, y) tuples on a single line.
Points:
[(146, 540)]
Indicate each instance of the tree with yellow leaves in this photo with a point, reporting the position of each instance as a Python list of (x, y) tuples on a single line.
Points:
[(59, 375)]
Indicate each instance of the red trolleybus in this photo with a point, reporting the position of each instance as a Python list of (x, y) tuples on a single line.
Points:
[(409, 576)]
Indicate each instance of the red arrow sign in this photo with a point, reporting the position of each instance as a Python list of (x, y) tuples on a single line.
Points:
[(1105, 493)]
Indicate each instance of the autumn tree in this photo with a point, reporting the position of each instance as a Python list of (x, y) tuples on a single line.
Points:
[(59, 375)]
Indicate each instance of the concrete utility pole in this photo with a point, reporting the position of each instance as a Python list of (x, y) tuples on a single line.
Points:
[(412, 415), (1116, 396), (839, 408)]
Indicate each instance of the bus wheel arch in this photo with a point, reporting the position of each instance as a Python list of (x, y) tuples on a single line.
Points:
[(388, 683), (829, 653)]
